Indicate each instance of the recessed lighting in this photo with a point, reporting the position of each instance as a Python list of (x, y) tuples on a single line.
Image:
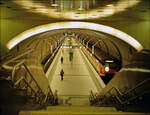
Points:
[(54, 5), (109, 5), (101, 12)]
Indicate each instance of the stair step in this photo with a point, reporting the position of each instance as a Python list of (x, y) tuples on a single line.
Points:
[(77, 113), (81, 108), (71, 110), (74, 100)]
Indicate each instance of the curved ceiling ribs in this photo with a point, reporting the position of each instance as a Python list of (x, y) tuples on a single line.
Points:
[(75, 25), (89, 33), (104, 48)]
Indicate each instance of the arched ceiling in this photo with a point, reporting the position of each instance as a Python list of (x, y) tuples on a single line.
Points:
[(83, 25), (106, 45), (108, 12)]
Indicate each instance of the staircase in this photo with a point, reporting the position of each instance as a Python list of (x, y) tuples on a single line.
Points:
[(78, 110), (76, 105), (73, 100)]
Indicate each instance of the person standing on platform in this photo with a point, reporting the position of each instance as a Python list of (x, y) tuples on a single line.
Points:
[(62, 60), (62, 74), (70, 56)]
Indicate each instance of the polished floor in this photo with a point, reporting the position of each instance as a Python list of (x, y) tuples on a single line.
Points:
[(77, 80)]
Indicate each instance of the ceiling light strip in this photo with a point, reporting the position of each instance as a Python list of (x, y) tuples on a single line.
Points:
[(108, 10), (83, 25)]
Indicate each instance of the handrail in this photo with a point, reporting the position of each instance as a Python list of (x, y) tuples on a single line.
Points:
[(43, 98), (138, 85), (21, 53), (119, 97), (8, 59), (14, 69), (47, 93), (133, 89), (31, 75), (51, 58)]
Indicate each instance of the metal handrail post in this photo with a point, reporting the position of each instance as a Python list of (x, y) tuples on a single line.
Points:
[(83, 41), (40, 95), (80, 40), (14, 69), (54, 42), (88, 43), (94, 45), (31, 76), (121, 94)]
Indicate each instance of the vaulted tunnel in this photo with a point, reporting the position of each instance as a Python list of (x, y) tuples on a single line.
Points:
[(105, 60)]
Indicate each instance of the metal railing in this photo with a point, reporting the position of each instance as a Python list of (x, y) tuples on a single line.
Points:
[(50, 58), (26, 81), (13, 55), (117, 96)]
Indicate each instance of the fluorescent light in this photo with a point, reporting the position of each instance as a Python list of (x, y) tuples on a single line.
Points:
[(83, 25), (54, 5), (109, 5), (109, 61), (108, 10)]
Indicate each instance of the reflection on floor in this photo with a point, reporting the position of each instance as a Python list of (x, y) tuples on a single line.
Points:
[(77, 82)]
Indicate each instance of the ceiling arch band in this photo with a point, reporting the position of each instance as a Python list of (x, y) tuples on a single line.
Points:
[(83, 25), (100, 12)]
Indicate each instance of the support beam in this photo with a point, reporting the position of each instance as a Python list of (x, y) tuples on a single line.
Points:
[(88, 43), (94, 45)]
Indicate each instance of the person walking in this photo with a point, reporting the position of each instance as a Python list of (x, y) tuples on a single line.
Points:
[(70, 56), (62, 74), (61, 60)]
